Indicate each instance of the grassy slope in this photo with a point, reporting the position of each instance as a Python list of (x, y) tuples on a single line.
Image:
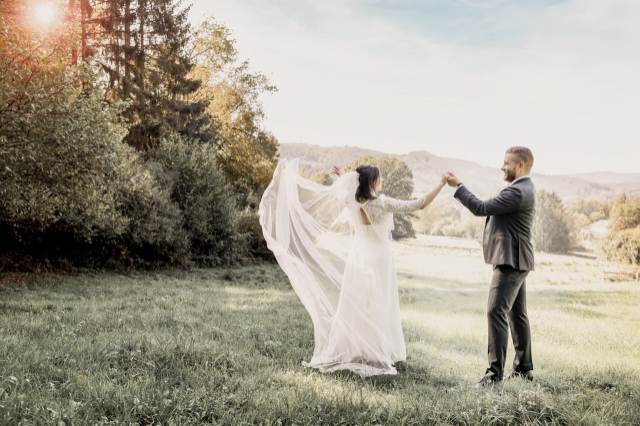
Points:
[(225, 347)]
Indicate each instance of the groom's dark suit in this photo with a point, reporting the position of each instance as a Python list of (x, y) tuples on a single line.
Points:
[(507, 246)]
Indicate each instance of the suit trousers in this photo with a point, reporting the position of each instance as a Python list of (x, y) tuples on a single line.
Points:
[(507, 308)]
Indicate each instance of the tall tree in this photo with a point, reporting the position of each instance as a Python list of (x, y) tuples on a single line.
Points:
[(551, 231), (245, 151), (143, 47), (61, 157)]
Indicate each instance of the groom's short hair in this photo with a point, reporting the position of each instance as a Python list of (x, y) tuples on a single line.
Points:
[(523, 154)]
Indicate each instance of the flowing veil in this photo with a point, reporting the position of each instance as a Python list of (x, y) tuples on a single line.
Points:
[(311, 228)]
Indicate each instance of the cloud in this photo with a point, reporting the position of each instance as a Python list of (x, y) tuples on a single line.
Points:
[(560, 77)]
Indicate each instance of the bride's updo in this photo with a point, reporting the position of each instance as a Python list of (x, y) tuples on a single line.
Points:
[(369, 175)]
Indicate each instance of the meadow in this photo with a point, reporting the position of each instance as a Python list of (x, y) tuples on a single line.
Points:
[(224, 346)]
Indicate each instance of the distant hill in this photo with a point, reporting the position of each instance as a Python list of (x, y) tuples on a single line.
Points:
[(609, 177), (484, 181)]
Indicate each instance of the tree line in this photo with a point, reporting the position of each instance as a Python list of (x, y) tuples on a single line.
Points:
[(130, 138), (558, 226), (127, 138)]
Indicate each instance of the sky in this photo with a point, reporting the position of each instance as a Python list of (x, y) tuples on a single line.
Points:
[(458, 78)]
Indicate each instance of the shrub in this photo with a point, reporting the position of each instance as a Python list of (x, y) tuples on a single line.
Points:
[(208, 203), (623, 246), (430, 219), (625, 214), (62, 163), (155, 220), (249, 225)]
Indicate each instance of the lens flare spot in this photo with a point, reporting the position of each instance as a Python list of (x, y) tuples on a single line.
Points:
[(46, 12)]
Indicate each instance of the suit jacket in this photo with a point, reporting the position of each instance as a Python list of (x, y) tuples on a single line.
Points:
[(507, 231)]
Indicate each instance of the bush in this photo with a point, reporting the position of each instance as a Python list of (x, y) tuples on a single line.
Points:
[(435, 216), (155, 221), (208, 203), (62, 164), (249, 225), (444, 218), (623, 246), (625, 214)]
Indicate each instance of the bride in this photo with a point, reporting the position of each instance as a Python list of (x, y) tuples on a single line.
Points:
[(334, 244)]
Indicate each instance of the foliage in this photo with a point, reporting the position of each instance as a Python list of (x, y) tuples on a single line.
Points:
[(245, 151), (155, 220), (323, 178), (625, 213), (397, 182), (593, 209), (622, 246), (438, 211), (207, 202), (142, 46), (623, 243), (249, 226), (70, 188), (61, 156), (551, 231), (444, 218)]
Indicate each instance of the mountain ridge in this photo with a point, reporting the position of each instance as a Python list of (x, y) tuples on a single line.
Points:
[(484, 181)]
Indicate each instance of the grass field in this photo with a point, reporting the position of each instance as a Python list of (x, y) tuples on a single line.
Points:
[(225, 346)]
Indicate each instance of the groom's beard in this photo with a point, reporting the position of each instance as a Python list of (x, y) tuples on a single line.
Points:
[(509, 177)]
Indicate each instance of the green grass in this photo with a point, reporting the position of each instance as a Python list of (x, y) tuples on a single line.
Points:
[(225, 346)]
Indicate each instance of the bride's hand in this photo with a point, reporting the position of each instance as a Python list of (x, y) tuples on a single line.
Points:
[(337, 170), (444, 179)]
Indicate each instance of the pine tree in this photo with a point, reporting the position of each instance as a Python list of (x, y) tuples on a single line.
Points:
[(143, 47), (550, 228)]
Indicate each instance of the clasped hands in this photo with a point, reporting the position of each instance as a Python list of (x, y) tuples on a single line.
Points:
[(450, 179)]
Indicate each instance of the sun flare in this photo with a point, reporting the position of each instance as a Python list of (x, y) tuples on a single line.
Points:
[(46, 12)]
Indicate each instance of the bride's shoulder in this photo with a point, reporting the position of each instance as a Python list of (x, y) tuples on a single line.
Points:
[(379, 200), (372, 204), (384, 199)]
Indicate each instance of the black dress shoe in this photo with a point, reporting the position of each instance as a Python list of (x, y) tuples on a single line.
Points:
[(527, 375), (486, 381)]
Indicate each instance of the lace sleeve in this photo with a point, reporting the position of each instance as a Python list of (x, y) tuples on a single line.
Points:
[(374, 210), (377, 210), (391, 205)]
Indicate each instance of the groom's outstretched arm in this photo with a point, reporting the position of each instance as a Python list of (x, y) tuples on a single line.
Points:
[(508, 201)]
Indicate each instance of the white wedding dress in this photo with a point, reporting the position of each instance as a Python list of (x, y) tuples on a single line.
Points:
[(341, 269)]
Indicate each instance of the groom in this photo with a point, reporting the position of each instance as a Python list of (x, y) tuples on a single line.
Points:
[(507, 246)]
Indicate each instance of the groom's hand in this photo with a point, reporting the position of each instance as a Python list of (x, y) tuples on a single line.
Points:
[(452, 180), (337, 170)]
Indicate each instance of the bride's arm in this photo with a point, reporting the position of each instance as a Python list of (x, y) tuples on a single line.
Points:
[(434, 192), (392, 205)]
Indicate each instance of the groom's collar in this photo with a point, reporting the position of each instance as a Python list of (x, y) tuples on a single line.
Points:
[(520, 178)]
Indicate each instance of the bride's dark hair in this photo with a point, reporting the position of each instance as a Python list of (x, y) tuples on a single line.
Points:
[(369, 175)]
